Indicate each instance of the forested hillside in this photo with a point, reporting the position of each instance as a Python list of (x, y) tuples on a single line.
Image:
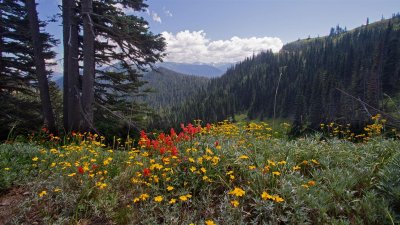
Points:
[(342, 77), (168, 88)]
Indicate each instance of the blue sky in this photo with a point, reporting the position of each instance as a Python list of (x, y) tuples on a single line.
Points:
[(208, 31)]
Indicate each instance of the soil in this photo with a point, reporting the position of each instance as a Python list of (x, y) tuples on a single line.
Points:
[(10, 202)]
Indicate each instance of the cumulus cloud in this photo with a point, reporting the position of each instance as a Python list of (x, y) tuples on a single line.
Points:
[(195, 47)]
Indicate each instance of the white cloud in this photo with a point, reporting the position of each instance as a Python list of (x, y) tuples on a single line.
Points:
[(194, 47), (156, 17)]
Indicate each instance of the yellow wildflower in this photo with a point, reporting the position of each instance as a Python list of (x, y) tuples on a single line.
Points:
[(243, 157), (71, 174), (235, 203), (42, 193), (170, 188), (158, 198), (210, 222), (35, 159), (172, 201), (237, 192), (276, 173)]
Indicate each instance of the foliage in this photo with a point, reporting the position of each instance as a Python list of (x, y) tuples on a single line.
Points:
[(222, 173), (18, 81)]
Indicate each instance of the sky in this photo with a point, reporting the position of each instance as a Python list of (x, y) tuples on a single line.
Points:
[(227, 31)]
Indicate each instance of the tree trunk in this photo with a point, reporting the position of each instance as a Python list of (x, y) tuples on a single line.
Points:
[(88, 66), (66, 25), (40, 65), (73, 70)]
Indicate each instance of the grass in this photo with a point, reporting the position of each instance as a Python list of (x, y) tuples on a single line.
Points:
[(223, 174)]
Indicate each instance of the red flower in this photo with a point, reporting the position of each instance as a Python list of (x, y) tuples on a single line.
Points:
[(146, 172), (94, 166), (80, 170), (216, 143)]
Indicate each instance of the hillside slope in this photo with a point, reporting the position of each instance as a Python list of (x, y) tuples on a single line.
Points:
[(319, 80)]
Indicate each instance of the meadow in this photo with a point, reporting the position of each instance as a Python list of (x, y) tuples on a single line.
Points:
[(225, 173)]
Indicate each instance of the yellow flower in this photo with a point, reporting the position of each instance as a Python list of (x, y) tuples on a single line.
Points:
[(6, 169), (283, 162), (278, 199), (272, 163), (158, 198), (193, 169), (252, 167), (57, 190), (243, 157), (203, 170), (266, 196), (172, 201), (35, 159), (71, 174), (276, 173), (185, 197), (210, 222), (170, 188), (43, 193), (144, 196), (136, 200), (296, 168), (235, 203), (315, 161), (238, 192)]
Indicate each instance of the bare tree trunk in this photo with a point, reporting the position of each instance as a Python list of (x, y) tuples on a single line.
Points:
[(40, 65), (66, 29), (88, 66), (73, 70)]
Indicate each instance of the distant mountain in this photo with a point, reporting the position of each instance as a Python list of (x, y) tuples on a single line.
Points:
[(343, 77), (203, 70)]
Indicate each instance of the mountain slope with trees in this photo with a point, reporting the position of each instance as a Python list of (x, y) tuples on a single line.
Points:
[(344, 77)]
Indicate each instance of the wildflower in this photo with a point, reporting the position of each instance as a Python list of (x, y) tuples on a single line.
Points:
[(276, 173), (311, 183), (252, 167), (283, 162), (146, 172), (172, 201), (71, 174), (278, 199), (6, 169), (203, 170), (235, 203), (243, 157), (238, 192), (158, 198), (315, 161), (144, 196), (42, 193), (272, 163), (136, 200), (193, 169), (296, 168), (210, 222), (57, 190), (170, 188), (184, 198), (266, 196), (35, 159), (80, 170)]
